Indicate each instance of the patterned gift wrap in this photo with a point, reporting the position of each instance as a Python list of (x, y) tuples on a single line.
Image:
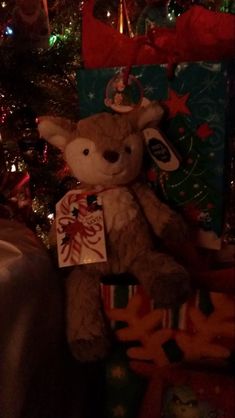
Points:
[(118, 296), (124, 389), (194, 394), (131, 392), (195, 100)]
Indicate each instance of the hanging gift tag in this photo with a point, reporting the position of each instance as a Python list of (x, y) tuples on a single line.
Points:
[(161, 151), (80, 229), (123, 95)]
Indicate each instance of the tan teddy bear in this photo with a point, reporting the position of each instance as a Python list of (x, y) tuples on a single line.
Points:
[(107, 150)]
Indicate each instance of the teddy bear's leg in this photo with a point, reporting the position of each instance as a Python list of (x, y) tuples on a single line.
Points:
[(166, 281), (86, 329)]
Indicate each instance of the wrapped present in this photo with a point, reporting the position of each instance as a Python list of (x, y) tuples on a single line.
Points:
[(197, 93), (187, 350), (202, 329), (189, 393), (124, 389), (194, 131)]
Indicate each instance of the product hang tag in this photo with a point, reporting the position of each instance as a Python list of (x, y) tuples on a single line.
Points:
[(161, 150), (80, 229)]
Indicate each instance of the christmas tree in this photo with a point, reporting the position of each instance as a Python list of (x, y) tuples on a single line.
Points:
[(36, 81)]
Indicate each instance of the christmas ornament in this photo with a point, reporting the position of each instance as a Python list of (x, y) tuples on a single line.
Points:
[(158, 13), (123, 93), (30, 24)]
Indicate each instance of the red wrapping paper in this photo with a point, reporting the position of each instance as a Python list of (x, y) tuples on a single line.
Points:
[(199, 34)]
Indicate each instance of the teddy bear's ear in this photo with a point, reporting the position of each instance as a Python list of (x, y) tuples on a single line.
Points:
[(142, 116), (57, 131), (151, 113)]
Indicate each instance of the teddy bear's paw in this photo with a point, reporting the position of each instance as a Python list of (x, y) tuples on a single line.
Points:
[(90, 350), (171, 289)]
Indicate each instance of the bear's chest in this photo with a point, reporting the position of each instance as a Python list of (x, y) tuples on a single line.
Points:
[(120, 208)]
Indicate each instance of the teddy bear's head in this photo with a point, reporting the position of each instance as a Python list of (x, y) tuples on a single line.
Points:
[(103, 149)]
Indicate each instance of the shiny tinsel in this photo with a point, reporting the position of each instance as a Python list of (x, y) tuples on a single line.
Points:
[(36, 82)]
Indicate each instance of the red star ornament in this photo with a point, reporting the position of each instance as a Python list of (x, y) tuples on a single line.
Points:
[(177, 103), (204, 130)]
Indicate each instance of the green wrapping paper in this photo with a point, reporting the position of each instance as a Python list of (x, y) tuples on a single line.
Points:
[(195, 124)]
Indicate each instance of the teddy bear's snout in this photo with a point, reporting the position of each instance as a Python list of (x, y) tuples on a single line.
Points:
[(111, 156)]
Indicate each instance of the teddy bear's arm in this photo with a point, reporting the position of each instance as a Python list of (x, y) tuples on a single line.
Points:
[(171, 228), (166, 223)]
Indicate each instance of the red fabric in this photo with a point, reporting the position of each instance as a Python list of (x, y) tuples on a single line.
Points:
[(199, 34), (215, 389)]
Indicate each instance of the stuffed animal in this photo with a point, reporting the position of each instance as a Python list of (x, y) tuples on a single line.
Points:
[(105, 152)]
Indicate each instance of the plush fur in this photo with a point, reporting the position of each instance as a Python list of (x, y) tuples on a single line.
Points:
[(132, 212)]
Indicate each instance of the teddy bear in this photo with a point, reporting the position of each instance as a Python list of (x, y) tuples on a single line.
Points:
[(105, 152)]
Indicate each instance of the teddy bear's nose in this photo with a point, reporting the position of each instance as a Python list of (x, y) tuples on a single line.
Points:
[(111, 156)]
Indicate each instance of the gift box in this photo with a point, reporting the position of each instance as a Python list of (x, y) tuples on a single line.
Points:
[(195, 129), (138, 385), (189, 393), (196, 92)]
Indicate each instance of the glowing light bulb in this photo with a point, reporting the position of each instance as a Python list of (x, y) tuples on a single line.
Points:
[(8, 30), (13, 168)]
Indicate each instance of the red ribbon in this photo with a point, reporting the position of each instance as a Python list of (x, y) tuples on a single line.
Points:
[(199, 34)]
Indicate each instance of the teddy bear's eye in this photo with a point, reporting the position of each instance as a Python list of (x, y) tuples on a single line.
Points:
[(86, 151), (128, 149)]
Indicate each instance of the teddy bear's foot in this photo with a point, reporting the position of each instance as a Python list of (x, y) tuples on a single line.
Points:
[(171, 289), (90, 350), (166, 281), (87, 330)]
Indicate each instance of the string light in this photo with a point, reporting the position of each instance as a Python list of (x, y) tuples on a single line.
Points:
[(13, 168), (51, 216), (8, 31)]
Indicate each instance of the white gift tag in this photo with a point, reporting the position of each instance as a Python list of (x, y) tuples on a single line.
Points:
[(80, 229)]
